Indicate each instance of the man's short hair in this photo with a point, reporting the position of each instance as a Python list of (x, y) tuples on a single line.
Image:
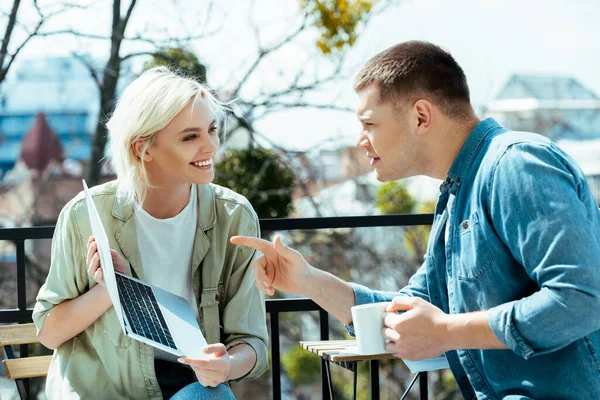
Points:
[(412, 70)]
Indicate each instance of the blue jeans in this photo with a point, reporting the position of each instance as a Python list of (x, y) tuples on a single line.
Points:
[(197, 391)]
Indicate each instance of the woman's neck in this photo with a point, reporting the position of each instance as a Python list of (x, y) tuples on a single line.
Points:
[(166, 202)]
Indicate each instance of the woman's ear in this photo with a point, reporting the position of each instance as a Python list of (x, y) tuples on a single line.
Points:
[(140, 151)]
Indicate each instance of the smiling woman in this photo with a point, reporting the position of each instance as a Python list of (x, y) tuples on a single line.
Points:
[(179, 126), (169, 226)]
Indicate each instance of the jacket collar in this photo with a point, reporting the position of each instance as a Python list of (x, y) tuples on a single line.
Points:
[(467, 153)]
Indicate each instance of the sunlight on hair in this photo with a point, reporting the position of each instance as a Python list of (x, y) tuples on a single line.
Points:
[(146, 106)]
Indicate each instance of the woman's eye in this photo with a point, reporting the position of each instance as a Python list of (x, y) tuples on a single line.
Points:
[(190, 137), (213, 129)]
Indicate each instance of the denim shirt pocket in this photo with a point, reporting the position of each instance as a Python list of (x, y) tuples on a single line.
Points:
[(474, 255)]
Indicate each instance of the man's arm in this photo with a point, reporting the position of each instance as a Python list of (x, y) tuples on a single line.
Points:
[(283, 268), (331, 293), (423, 331), (543, 210)]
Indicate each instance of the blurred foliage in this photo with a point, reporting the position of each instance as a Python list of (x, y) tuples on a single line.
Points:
[(261, 176), (393, 198), (301, 366), (416, 237), (337, 21), (180, 59)]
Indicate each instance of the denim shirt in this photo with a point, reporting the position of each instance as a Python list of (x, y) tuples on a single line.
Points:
[(524, 244)]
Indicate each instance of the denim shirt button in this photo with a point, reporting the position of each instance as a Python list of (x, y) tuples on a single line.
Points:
[(465, 225)]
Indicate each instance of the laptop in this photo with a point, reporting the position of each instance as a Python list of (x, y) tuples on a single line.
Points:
[(147, 313)]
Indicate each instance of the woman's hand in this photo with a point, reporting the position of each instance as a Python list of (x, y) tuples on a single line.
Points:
[(213, 371), (93, 262)]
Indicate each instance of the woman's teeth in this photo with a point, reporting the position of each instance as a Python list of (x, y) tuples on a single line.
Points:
[(202, 163)]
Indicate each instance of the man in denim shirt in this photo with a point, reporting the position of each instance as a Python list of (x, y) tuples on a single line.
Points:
[(510, 286)]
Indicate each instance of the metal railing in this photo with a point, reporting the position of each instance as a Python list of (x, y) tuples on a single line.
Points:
[(273, 306)]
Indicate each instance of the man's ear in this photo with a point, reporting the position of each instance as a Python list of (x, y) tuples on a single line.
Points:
[(424, 111), (138, 148)]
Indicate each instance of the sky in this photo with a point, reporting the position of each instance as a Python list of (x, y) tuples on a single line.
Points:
[(490, 39)]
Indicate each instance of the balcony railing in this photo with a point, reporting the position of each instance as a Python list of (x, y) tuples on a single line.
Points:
[(273, 306)]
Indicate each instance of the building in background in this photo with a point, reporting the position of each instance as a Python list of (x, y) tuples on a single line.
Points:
[(560, 108), (59, 88)]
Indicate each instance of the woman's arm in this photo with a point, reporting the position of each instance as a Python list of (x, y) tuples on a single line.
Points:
[(223, 365), (71, 317), (242, 358)]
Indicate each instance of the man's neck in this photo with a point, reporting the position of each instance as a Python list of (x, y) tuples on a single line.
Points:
[(447, 145)]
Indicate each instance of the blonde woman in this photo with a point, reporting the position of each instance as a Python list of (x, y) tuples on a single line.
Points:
[(168, 226)]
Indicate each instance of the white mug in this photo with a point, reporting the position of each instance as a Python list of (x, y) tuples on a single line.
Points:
[(368, 327)]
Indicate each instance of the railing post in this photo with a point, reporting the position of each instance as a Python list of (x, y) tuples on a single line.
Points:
[(275, 356), (423, 390), (22, 296), (374, 372), (324, 327), (21, 281)]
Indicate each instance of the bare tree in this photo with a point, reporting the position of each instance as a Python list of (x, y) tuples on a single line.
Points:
[(7, 57), (107, 77), (108, 86)]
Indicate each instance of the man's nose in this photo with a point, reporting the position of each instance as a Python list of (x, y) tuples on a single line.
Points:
[(362, 141)]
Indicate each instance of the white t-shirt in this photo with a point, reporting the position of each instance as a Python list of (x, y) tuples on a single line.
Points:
[(166, 248)]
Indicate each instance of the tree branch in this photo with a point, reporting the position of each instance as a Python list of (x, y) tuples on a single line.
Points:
[(129, 11), (90, 67), (262, 53), (276, 106), (7, 34)]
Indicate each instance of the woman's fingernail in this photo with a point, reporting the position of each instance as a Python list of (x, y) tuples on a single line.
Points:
[(180, 360)]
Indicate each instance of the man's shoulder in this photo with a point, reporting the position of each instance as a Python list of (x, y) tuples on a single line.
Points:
[(518, 147), (507, 139)]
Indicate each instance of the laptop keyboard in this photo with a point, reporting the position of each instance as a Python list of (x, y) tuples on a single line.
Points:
[(141, 307)]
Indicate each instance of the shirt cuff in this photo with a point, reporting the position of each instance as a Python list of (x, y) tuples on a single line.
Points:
[(262, 362), (362, 295), (502, 322)]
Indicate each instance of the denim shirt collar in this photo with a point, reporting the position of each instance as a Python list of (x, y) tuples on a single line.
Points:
[(466, 154)]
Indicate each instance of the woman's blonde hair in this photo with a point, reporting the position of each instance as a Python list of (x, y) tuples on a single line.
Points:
[(146, 106)]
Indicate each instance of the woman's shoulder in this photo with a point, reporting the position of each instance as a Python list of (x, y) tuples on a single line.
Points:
[(103, 196), (232, 202)]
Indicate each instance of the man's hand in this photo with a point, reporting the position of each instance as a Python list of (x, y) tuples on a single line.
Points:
[(211, 372), (419, 332), (93, 262), (280, 267)]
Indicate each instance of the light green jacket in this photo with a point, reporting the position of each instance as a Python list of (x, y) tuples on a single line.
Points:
[(103, 363)]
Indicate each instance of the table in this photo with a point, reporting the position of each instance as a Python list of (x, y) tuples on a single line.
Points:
[(344, 354)]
